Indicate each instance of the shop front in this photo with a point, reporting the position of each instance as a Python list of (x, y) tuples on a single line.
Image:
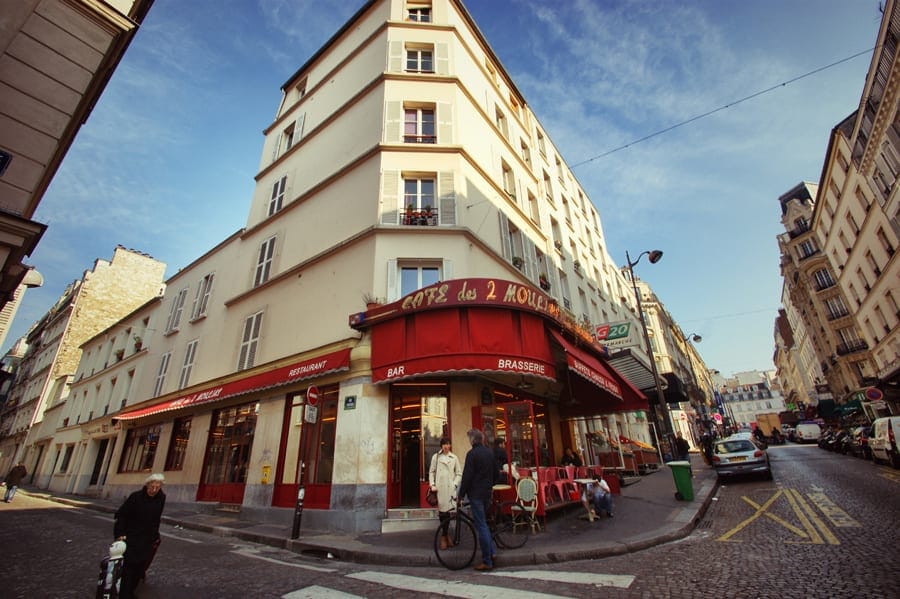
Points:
[(494, 355)]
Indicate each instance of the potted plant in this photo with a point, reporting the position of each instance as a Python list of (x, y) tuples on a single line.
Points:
[(517, 261), (544, 282), (371, 301), (558, 244), (577, 265), (138, 343)]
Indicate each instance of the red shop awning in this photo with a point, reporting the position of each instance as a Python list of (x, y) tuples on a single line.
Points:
[(460, 340), (333, 362), (587, 366)]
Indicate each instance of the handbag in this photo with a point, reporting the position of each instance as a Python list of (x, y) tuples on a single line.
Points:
[(431, 497)]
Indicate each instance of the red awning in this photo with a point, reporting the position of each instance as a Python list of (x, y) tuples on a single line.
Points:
[(461, 340), (588, 367), (333, 362)]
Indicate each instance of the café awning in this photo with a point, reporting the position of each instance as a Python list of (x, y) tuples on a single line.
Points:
[(313, 367)]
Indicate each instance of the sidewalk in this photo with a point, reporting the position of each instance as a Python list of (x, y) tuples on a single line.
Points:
[(646, 514)]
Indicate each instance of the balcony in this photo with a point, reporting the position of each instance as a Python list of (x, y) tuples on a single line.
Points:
[(835, 314), (419, 218), (851, 347), (798, 231)]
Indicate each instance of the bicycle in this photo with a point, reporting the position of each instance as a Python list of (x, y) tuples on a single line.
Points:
[(460, 552)]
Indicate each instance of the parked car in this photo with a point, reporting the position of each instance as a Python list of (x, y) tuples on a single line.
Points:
[(859, 445), (883, 441), (807, 432), (740, 454)]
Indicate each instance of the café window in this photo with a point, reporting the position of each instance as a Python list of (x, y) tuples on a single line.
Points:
[(140, 449), (181, 432)]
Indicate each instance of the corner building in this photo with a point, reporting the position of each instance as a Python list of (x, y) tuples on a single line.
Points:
[(417, 260)]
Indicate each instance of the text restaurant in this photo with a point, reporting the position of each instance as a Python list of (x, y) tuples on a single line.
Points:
[(502, 357)]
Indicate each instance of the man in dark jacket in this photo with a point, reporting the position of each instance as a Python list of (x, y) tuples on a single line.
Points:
[(137, 523), (13, 479), (478, 479)]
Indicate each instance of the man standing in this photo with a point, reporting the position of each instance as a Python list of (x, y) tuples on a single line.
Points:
[(137, 523), (13, 479), (478, 478)]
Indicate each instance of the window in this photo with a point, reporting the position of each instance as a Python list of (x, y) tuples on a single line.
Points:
[(419, 60), (540, 144), (277, 199), (807, 249), (161, 374), (548, 188), (823, 279), (500, 120), (201, 300), (418, 125), (420, 14), (885, 243), (418, 194), (249, 341), (417, 276), (509, 181), (67, 458), (176, 310), (873, 264), (140, 448), (181, 432), (264, 262), (836, 307), (287, 138), (189, 355), (526, 153), (301, 89), (559, 171)]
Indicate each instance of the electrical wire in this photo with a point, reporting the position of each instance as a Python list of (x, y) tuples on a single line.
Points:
[(720, 108)]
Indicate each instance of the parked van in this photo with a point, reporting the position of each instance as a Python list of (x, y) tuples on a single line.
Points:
[(807, 432), (883, 442)]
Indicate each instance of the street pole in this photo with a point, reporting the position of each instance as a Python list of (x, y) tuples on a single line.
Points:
[(654, 257)]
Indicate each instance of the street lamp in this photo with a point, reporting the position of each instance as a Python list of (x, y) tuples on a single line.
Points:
[(653, 256)]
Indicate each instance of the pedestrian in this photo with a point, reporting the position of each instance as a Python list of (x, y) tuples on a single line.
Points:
[(570, 458), (707, 442), (137, 523), (13, 479), (444, 476), (597, 498), (682, 447), (478, 478)]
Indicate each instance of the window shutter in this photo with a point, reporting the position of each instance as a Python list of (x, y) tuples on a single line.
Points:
[(298, 127), (395, 57), (393, 122), (393, 291), (445, 123), (447, 270), (447, 198), (442, 59), (390, 192), (531, 265), (504, 236)]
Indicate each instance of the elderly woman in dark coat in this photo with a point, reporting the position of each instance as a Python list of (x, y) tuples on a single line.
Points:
[(137, 523)]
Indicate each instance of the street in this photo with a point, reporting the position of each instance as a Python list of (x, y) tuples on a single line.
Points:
[(824, 527)]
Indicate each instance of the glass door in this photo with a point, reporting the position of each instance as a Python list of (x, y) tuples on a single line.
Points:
[(418, 421)]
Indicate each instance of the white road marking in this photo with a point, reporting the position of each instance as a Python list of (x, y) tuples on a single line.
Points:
[(179, 538), (622, 581), (252, 553), (317, 592), (449, 588)]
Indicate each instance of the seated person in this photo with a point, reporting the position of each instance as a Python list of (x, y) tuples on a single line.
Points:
[(570, 459), (597, 497), (500, 458)]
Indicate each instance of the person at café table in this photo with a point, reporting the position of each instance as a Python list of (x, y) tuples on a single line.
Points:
[(570, 458)]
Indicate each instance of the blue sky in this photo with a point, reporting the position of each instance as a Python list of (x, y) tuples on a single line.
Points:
[(165, 164)]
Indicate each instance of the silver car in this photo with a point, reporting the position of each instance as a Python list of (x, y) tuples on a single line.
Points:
[(740, 454)]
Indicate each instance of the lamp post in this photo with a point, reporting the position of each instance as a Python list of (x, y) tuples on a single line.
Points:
[(688, 340), (653, 256)]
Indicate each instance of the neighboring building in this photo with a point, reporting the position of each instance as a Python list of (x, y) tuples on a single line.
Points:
[(57, 57), (749, 393), (32, 279), (100, 298), (795, 363), (839, 253)]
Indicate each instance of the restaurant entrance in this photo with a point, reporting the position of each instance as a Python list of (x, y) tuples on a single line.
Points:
[(228, 454), (418, 421), (523, 424)]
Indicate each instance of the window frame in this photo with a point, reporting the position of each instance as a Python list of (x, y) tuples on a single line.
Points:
[(139, 449)]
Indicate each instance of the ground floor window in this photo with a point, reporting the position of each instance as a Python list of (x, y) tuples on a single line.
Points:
[(181, 432), (140, 448), (230, 440)]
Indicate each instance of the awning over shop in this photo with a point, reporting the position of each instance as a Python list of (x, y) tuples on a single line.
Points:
[(458, 340), (588, 367), (313, 367), (629, 365)]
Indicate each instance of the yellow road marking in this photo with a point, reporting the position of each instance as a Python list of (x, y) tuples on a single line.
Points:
[(839, 518), (794, 529), (889, 474), (812, 519), (759, 512)]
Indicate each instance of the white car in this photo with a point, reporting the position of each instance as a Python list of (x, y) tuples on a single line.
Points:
[(883, 441), (807, 432)]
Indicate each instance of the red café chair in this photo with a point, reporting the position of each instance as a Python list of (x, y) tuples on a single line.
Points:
[(581, 472), (564, 485)]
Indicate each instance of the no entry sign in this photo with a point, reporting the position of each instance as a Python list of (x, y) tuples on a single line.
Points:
[(312, 395)]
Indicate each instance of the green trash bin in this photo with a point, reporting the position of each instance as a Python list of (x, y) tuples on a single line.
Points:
[(681, 472)]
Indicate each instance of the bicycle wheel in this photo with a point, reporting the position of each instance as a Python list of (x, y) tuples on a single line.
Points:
[(507, 535), (461, 550)]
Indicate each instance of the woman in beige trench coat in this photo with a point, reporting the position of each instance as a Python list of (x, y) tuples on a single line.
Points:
[(444, 476)]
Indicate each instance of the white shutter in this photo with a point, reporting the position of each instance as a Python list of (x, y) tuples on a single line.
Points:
[(531, 265), (395, 57), (442, 59), (504, 236), (390, 192), (393, 281), (393, 122), (298, 127), (445, 123), (447, 270), (447, 198)]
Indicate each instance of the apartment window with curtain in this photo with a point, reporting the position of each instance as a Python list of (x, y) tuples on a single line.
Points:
[(418, 125), (161, 374), (249, 341), (277, 200), (190, 353), (264, 261)]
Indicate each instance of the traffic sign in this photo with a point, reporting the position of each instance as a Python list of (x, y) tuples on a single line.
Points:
[(312, 395), (311, 414), (717, 418)]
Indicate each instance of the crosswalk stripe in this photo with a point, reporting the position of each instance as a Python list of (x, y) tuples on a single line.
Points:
[(254, 555), (317, 592), (449, 588), (622, 581)]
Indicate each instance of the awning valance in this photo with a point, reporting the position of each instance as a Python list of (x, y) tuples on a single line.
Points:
[(313, 367), (588, 367)]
